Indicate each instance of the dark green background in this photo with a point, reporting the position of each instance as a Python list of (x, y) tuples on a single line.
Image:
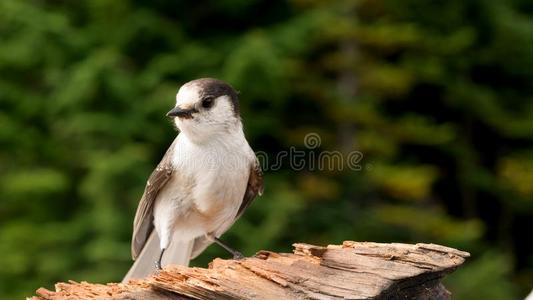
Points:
[(437, 95)]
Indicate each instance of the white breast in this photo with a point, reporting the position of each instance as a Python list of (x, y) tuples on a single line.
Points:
[(208, 188)]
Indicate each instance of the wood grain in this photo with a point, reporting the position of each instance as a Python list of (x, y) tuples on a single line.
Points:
[(353, 270)]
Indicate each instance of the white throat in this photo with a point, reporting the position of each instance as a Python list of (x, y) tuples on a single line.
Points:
[(227, 151), (203, 135)]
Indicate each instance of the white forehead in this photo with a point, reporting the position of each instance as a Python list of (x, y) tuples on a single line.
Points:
[(187, 94)]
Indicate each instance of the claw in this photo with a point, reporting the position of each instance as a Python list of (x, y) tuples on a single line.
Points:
[(158, 265), (237, 255)]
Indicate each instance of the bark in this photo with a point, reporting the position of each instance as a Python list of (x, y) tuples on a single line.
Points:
[(353, 270)]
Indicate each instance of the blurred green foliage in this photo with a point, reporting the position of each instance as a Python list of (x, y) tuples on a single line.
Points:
[(437, 95)]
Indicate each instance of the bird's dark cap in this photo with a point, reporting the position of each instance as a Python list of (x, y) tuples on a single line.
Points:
[(211, 87)]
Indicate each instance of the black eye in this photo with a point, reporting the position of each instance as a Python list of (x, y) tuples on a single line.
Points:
[(207, 102)]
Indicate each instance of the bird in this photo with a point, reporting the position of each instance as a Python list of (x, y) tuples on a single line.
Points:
[(205, 181)]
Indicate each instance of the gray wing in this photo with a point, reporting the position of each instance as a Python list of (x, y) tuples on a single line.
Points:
[(254, 188), (143, 223)]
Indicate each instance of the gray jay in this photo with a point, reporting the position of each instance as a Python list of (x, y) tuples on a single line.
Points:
[(205, 181)]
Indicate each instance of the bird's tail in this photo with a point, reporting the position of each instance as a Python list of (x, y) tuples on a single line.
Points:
[(177, 253)]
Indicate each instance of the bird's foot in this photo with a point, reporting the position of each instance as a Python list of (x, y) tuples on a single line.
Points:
[(158, 265), (237, 255), (158, 262)]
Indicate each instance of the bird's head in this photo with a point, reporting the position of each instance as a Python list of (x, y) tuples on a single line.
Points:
[(206, 107)]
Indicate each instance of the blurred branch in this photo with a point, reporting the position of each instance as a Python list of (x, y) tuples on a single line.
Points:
[(352, 270)]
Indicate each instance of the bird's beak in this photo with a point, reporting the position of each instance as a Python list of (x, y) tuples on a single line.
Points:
[(181, 112)]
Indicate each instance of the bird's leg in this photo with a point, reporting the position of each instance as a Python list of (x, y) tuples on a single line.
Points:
[(236, 254), (158, 262)]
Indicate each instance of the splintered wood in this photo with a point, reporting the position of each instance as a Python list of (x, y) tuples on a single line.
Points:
[(353, 270)]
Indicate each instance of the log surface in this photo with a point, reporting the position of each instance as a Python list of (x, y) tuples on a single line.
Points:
[(353, 270)]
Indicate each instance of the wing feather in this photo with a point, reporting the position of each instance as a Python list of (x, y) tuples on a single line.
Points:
[(143, 222), (254, 187)]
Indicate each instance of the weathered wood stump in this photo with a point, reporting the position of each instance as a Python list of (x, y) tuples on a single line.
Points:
[(352, 270)]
